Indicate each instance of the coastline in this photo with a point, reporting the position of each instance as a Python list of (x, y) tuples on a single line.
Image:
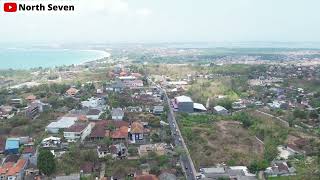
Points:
[(63, 57)]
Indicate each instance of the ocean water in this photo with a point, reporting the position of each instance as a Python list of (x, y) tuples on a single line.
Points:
[(32, 58)]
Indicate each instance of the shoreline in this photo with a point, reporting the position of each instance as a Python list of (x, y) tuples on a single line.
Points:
[(99, 54)]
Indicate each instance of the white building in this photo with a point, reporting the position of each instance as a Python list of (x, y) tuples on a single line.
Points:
[(78, 132), (93, 102), (94, 114), (63, 123), (117, 114)]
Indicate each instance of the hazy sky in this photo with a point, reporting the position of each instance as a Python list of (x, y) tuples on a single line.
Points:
[(167, 21)]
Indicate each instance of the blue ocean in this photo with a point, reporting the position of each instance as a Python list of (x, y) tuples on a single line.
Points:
[(32, 58)]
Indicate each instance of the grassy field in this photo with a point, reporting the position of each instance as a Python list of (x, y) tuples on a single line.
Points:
[(211, 141)]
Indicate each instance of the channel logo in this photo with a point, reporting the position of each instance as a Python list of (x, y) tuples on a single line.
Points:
[(10, 7)]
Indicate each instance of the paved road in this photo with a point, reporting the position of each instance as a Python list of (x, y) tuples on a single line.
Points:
[(185, 159)]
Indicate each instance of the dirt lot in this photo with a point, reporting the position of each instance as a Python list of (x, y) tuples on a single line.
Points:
[(225, 142)]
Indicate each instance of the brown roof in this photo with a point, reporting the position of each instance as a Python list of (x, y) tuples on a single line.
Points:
[(72, 91), (5, 167), (137, 127), (31, 98), (117, 124), (146, 177), (12, 158), (17, 167), (98, 132), (28, 149), (123, 73), (120, 133), (79, 127), (93, 112)]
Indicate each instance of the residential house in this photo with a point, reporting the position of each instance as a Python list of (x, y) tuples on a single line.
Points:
[(120, 134), (33, 111), (118, 150), (158, 110), (93, 102), (103, 151), (146, 177), (29, 153), (232, 172), (280, 168), (31, 98), (117, 114), (31, 172), (97, 133), (13, 171), (72, 92), (94, 114), (136, 131), (133, 84), (62, 123), (78, 131), (51, 142), (116, 86), (6, 112), (16, 101)]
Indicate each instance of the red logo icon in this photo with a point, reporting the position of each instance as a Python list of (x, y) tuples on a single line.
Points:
[(10, 7)]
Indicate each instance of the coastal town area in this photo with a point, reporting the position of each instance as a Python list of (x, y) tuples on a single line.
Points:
[(159, 113)]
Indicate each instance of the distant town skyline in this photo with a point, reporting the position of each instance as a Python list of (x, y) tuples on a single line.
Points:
[(145, 21)]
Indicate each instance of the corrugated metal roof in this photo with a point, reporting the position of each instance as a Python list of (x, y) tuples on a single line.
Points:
[(183, 99), (199, 106)]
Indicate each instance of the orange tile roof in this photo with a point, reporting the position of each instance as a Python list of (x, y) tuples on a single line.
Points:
[(5, 167), (72, 91), (17, 168), (31, 97), (123, 73), (146, 177), (120, 133), (137, 127)]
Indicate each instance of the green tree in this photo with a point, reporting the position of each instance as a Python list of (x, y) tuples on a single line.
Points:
[(297, 113), (257, 165), (46, 163), (313, 115)]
